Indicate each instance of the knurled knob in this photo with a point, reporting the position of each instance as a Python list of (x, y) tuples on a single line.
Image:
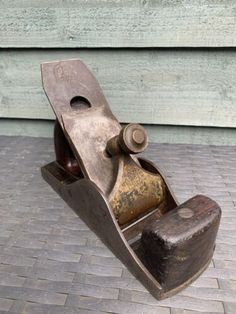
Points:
[(132, 139)]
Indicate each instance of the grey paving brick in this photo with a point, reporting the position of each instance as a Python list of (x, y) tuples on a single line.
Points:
[(221, 273), (25, 252), (100, 260), (30, 308), (230, 307), (82, 249), (28, 243), (210, 294), (74, 225), (225, 251), (59, 230), (202, 282), (17, 306), (20, 293), (226, 265), (228, 285), (5, 233), (21, 271), (5, 304), (183, 311), (35, 227), (99, 270), (4, 240), (72, 288), (79, 267), (61, 256), (179, 301), (118, 282), (36, 272), (48, 285), (8, 259), (68, 239), (94, 241), (11, 280), (94, 291), (114, 306)]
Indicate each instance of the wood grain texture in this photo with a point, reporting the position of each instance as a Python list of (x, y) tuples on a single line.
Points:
[(177, 87), (156, 133), (112, 23)]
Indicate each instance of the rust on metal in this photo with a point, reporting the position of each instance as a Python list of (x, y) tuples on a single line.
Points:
[(124, 199)]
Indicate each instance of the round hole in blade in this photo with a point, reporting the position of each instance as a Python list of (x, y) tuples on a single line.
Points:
[(79, 103)]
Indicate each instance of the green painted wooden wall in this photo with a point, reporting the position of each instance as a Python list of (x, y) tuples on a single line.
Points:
[(168, 64)]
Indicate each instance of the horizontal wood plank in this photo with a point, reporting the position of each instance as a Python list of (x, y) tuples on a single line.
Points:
[(156, 133), (112, 23), (152, 87)]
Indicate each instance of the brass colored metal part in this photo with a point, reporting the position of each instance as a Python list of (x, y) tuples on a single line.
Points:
[(136, 192)]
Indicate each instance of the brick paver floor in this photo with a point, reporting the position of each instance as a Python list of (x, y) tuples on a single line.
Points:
[(50, 262)]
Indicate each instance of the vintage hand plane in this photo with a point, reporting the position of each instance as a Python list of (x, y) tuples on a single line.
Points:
[(124, 199)]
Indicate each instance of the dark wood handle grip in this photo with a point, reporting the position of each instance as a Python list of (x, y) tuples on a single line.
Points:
[(182, 242)]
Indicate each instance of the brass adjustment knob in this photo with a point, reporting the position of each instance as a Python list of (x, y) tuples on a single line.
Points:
[(132, 139)]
